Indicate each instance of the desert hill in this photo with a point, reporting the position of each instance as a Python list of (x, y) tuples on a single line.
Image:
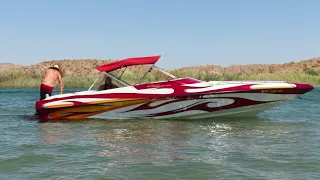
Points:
[(86, 67), (302, 66)]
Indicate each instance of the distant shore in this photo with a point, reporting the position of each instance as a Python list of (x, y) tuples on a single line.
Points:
[(82, 73)]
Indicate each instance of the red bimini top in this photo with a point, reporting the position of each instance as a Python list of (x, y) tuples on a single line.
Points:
[(128, 62)]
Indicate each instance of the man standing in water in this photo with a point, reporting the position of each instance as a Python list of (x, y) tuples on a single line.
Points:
[(49, 80)]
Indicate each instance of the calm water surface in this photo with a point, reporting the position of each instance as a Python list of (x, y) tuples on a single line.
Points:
[(282, 143)]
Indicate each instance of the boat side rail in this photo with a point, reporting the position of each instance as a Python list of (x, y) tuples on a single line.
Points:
[(165, 72)]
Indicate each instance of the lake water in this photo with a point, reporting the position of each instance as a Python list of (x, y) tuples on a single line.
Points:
[(282, 143)]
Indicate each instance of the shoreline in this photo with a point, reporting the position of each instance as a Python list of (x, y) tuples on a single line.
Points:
[(31, 81), (82, 73)]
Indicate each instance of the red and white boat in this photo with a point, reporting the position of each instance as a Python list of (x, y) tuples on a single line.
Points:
[(175, 98)]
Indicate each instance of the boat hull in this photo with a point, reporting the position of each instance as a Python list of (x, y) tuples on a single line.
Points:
[(233, 104), (185, 98), (204, 106)]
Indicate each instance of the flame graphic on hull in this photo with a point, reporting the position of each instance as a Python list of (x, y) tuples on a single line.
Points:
[(198, 105)]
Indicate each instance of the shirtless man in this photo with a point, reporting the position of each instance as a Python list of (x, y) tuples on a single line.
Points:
[(49, 80)]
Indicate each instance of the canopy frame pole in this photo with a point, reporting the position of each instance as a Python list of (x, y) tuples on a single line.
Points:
[(119, 70), (122, 72), (151, 67), (165, 72), (94, 82)]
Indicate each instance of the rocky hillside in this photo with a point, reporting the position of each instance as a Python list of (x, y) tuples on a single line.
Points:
[(311, 65), (86, 67)]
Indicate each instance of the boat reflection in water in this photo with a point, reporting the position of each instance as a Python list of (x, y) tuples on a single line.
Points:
[(166, 141), (144, 141), (119, 145)]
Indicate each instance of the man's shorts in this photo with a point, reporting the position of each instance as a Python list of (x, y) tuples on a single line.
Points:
[(45, 89)]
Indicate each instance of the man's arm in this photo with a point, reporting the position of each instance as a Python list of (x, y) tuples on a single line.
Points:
[(61, 83)]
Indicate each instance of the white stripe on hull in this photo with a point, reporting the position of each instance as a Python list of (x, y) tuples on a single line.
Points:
[(262, 97)]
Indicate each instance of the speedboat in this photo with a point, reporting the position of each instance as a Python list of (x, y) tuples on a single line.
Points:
[(172, 98)]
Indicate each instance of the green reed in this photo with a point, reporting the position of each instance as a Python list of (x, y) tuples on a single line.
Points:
[(20, 80)]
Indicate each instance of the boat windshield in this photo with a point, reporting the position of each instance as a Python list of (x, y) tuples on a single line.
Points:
[(139, 74), (131, 75)]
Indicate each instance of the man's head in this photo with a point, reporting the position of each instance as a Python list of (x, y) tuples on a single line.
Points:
[(107, 80), (107, 83), (56, 67)]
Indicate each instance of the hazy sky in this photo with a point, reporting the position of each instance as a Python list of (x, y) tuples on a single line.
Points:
[(184, 32)]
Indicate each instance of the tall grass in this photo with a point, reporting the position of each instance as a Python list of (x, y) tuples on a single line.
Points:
[(299, 77), (289, 77), (16, 79), (20, 80)]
